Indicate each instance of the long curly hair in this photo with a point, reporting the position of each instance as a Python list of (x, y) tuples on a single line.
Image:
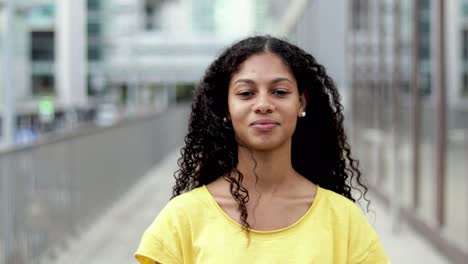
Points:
[(320, 151)]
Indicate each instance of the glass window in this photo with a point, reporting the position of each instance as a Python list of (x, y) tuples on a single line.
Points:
[(93, 4), (94, 53), (94, 28), (465, 85), (152, 12), (464, 7), (42, 84), (42, 43), (42, 15), (424, 4), (464, 45), (203, 16), (424, 47), (355, 13), (360, 14)]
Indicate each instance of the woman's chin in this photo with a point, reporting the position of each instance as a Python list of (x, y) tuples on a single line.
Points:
[(265, 145)]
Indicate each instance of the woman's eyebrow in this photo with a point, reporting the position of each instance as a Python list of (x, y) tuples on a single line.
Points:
[(248, 81), (276, 80)]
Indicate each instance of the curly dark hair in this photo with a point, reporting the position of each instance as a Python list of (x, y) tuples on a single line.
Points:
[(320, 151)]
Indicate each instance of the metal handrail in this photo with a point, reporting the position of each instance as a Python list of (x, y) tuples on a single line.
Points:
[(52, 190)]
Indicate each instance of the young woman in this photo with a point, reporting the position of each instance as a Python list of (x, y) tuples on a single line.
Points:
[(266, 173)]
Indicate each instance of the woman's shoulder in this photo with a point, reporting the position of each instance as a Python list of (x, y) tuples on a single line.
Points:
[(188, 200), (347, 216), (335, 198), (172, 227), (180, 210), (339, 204)]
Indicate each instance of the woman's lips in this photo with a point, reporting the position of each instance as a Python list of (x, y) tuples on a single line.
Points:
[(264, 125)]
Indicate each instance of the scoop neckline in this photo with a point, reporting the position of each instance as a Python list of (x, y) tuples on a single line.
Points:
[(259, 233)]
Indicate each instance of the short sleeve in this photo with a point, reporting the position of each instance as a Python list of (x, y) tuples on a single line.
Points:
[(160, 242), (364, 244), (152, 250)]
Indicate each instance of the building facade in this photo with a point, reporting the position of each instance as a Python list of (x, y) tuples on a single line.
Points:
[(21, 44)]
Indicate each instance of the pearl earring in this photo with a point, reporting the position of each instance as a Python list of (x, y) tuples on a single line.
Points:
[(225, 120), (303, 114)]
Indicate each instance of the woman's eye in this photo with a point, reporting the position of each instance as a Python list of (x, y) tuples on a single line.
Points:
[(245, 94), (280, 92)]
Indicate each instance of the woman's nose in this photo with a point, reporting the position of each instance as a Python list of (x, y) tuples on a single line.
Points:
[(263, 104)]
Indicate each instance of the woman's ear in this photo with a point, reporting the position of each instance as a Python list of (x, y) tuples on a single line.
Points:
[(303, 102)]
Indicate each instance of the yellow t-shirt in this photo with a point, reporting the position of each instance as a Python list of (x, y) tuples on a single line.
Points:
[(193, 228)]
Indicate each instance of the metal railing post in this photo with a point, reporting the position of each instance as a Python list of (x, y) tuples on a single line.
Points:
[(441, 111), (397, 184), (416, 105)]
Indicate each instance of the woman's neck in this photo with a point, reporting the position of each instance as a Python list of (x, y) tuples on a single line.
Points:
[(266, 172)]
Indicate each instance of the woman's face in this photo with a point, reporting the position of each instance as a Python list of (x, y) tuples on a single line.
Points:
[(264, 102)]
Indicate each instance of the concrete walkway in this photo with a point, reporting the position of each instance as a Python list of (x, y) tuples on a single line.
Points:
[(115, 236)]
